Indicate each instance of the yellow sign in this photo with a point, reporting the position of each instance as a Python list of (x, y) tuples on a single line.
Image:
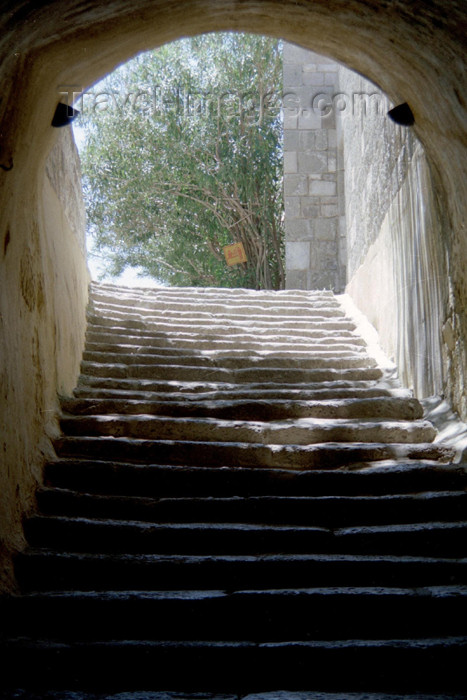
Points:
[(234, 254)]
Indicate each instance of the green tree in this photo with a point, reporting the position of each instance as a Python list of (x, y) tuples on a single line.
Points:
[(183, 156)]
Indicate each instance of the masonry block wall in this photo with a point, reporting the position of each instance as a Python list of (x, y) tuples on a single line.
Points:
[(313, 182), (361, 214)]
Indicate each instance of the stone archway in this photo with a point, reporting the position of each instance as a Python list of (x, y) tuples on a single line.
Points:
[(414, 52)]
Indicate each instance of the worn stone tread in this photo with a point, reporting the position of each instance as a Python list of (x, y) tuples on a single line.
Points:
[(211, 340), (221, 374), (253, 409), (93, 534), (344, 360), (156, 479), (233, 350), (330, 455), (395, 663), (337, 388), (298, 431), (329, 511), (45, 570)]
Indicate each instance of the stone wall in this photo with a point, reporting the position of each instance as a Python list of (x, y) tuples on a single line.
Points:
[(397, 261), (63, 170), (43, 297), (313, 191), (391, 244)]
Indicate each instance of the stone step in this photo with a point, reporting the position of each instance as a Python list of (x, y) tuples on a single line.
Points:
[(251, 374), (407, 665), (20, 694), (47, 570), (220, 454), (154, 480), (323, 511), (217, 305), (259, 615), (210, 340), (198, 324), (211, 294), (147, 390), (446, 539), (292, 432), (251, 409), (338, 361), (204, 308), (230, 294), (232, 354)]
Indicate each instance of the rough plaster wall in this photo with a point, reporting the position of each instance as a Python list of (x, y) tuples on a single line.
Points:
[(415, 51), (401, 284), (43, 295), (396, 254), (398, 261)]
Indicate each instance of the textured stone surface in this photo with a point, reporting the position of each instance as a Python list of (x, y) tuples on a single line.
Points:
[(43, 294), (397, 266), (68, 42), (310, 181), (215, 432)]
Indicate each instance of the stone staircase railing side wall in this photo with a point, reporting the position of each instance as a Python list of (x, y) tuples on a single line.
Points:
[(360, 207), (397, 262)]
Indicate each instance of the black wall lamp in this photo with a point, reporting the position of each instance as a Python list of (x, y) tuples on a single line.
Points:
[(64, 115), (402, 114)]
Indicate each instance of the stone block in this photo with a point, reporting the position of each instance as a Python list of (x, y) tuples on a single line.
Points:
[(325, 229), (313, 78), (289, 120), (329, 120), (332, 164), (290, 140), (332, 138), (329, 67), (309, 208), (300, 98), (309, 119), (292, 74), (312, 162), (325, 279), (298, 230), (314, 139), (291, 101), (296, 279), (330, 79), (328, 252), (292, 208), (295, 185), (322, 187), (297, 255), (297, 54), (329, 210), (290, 162)]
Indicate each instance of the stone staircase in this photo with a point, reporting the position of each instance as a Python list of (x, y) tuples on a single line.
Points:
[(242, 501)]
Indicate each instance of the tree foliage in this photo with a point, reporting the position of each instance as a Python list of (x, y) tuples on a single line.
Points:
[(183, 156)]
